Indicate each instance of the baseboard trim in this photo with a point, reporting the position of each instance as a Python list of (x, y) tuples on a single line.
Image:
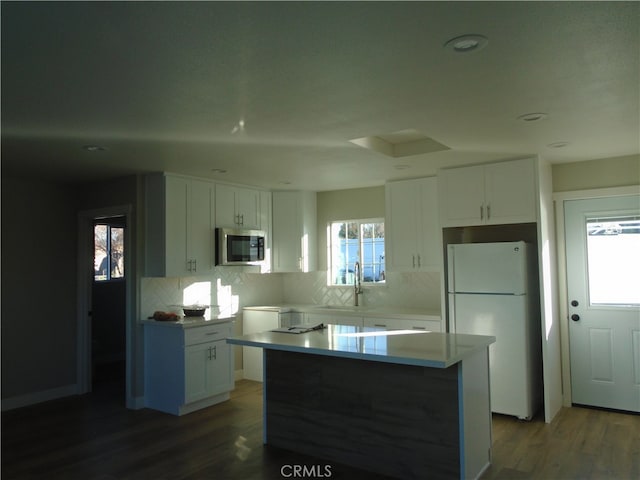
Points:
[(135, 403), (27, 399)]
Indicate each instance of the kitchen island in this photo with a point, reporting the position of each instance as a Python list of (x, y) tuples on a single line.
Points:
[(404, 403)]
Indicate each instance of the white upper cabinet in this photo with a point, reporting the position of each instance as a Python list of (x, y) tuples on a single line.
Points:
[(237, 207), (491, 194), (294, 231), (413, 240), (179, 225)]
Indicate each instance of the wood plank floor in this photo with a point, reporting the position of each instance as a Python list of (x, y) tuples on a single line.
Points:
[(95, 437)]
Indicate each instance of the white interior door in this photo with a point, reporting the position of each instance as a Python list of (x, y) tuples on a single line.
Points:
[(603, 283)]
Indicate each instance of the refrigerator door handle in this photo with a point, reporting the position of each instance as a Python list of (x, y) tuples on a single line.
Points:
[(452, 313), (450, 269)]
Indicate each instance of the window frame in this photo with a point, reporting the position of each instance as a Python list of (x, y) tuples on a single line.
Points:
[(108, 238), (331, 266)]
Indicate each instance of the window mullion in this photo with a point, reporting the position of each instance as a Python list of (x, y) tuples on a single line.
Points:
[(108, 242)]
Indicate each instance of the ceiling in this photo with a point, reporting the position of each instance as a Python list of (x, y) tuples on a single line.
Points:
[(272, 93)]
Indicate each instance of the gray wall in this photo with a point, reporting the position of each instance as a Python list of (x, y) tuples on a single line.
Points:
[(602, 173), (39, 278), (38, 287)]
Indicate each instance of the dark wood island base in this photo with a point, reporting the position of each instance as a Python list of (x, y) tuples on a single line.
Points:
[(398, 420)]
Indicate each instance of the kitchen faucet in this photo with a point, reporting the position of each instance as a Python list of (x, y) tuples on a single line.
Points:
[(357, 288)]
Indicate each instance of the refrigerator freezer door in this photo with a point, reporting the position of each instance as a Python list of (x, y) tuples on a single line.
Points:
[(488, 268), (505, 317)]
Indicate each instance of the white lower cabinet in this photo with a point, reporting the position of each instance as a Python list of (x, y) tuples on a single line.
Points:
[(187, 369), (207, 370), (256, 320), (316, 318)]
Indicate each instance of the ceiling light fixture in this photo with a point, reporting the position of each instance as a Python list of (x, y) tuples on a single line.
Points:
[(532, 117), (558, 145), (93, 148), (467, 43)]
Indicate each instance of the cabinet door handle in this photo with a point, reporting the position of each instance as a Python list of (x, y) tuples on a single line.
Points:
[(242, 219), (481, 212), (418, 328), (195, 265), (488, 211), (419, 264), (215, 355), (379, 325), (211, 333), (189, 265), (209, 353)]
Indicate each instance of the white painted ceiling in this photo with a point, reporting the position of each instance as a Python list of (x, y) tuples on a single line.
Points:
[(165, 86)]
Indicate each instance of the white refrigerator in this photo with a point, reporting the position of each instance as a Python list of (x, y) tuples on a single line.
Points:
[(492, 290)]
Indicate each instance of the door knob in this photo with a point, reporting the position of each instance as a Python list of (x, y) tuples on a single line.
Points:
[(574, 303), (575, 317)]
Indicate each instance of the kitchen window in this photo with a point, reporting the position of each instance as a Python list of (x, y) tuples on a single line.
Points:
[(108, 250), (352, 241)]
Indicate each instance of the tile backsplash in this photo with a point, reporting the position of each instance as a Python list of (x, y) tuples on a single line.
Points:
[(232, 288), (409, 290)]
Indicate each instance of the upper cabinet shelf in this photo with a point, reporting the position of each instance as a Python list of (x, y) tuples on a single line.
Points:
[(179, 225), (237, 207), (294, 231), (492, 194), (413, 238)]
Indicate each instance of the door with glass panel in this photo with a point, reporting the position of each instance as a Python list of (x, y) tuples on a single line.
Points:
[(603, 282)]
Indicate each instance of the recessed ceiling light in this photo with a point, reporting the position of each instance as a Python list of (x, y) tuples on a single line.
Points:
[(93, 148), (467, 43), (558, 145), (218, 170), (532, 117)]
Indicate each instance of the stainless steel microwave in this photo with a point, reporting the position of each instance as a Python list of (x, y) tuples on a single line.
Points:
[(239, 247)]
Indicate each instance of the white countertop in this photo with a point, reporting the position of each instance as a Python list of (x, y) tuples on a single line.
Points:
[(362, 311), (407, 347), (191, 322)]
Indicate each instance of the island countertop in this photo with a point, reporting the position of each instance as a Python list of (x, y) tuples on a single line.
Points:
[(405, 347)]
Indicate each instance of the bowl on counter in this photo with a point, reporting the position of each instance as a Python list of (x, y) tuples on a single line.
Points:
[(194, 310)]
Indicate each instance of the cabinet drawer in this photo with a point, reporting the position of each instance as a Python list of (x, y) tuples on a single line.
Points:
[(209, 333), (403, 324)]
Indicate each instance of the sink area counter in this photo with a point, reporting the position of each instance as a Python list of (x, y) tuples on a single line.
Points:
[(406, 347), (361, 311)]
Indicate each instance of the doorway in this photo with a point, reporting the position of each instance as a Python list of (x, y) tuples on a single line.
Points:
[(105, 303), (108, 304), (602, 238)]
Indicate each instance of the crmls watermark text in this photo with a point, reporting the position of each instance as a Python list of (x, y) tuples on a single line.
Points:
[(306, 471)]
